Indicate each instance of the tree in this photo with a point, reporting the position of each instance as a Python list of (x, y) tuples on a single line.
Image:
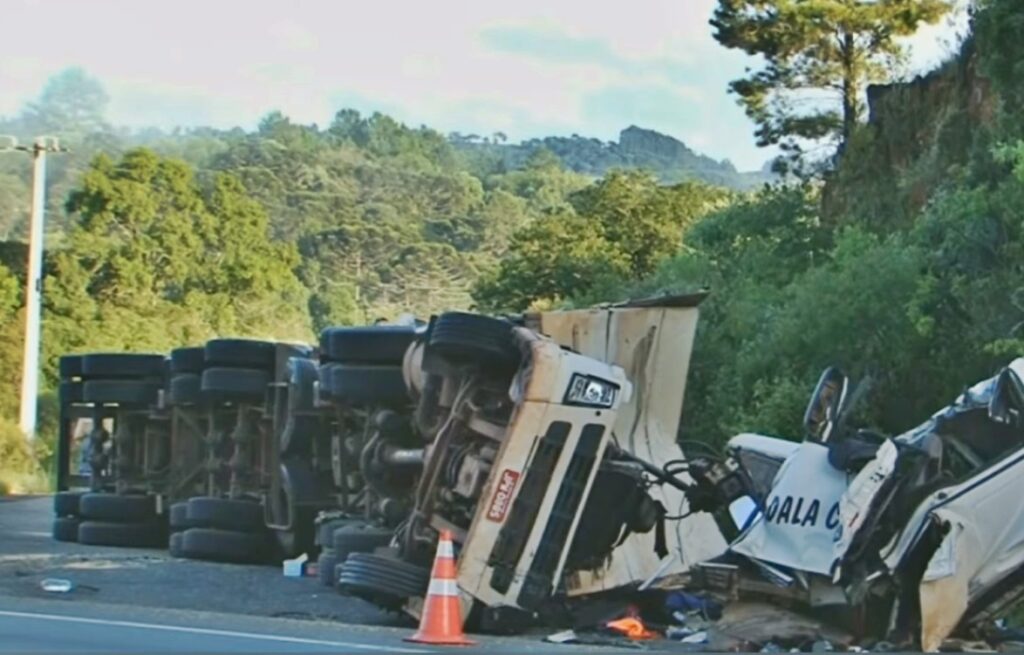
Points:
[(72, 105), (644, 219), (809, 46), (619, 229), (155, 260), (556, 258)]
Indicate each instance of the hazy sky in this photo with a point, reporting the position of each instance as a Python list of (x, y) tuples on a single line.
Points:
[(525, 67)]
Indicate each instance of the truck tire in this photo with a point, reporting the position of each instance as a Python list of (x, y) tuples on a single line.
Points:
[(302, 378), (188, 360), (359, 538), (355, 384), (175, 544), (177, 517), (65, 528), (379, 344), (122, 365), (146, 534), (70, 366), (65, 503), (325, 567), (242, 384), (122, 392), (239, 353), (224, 545), (472, 339), (185, 389), (224, 514), (117, 508), (386, 581), (325, 530)]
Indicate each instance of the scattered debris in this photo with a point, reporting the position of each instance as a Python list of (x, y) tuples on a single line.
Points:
[(760, 623), (293, 568), (563, 637), (56, 585), (696, 638), (632, 627), (681, 601)]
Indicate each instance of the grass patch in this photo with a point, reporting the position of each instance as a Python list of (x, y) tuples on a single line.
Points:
[(21, 471)]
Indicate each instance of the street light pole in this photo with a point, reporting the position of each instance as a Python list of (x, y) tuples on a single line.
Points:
[(33, 280)]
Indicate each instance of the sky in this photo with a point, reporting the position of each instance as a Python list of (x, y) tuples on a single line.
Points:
[(528, 68)]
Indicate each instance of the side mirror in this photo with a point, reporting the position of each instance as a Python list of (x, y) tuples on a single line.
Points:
[(827, 404)]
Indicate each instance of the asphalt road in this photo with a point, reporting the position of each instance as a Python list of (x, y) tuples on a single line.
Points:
[(136, 600), (56, 627)]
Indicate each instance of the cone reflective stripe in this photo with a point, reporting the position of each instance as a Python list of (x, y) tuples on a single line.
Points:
[(445, 548), (441, 621), (443, 588)]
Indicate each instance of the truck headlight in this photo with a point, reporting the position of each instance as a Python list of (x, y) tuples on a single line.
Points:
[(590, 391)]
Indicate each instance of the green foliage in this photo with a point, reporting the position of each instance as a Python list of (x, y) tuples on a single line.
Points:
[(19, 465), (998, 26), (154, 261), (555, 258), (831, 46), (619, 228)]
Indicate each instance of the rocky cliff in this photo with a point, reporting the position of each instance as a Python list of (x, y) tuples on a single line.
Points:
[(919, 134)]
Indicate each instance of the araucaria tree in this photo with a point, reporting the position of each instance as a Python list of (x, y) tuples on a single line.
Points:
[(819, 56)]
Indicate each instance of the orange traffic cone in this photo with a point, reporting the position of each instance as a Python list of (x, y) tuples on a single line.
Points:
[(441, 621)]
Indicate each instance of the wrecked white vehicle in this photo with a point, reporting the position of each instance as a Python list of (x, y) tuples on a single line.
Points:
[(909, 539)]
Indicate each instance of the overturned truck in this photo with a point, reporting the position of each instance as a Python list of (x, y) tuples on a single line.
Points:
[(548, 449)]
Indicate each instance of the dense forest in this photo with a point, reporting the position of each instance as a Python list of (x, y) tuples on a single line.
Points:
[(898, 259)]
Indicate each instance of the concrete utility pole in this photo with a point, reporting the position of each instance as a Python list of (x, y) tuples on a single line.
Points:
[(34, 276)]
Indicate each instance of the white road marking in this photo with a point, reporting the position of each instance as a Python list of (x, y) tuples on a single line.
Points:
[(209, 631)]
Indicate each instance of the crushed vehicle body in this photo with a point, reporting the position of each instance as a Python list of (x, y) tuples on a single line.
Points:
[(912, 538), (540, 435)]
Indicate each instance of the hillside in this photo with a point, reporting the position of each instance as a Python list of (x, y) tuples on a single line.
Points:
[(671, 160)]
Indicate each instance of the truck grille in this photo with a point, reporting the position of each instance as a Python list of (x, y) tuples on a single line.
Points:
[(539, 580), (512, 538)]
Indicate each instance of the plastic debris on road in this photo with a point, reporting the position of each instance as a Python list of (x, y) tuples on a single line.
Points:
[(56, 585), (563, 637), (696, 638), (632, 628), (292, 568)]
